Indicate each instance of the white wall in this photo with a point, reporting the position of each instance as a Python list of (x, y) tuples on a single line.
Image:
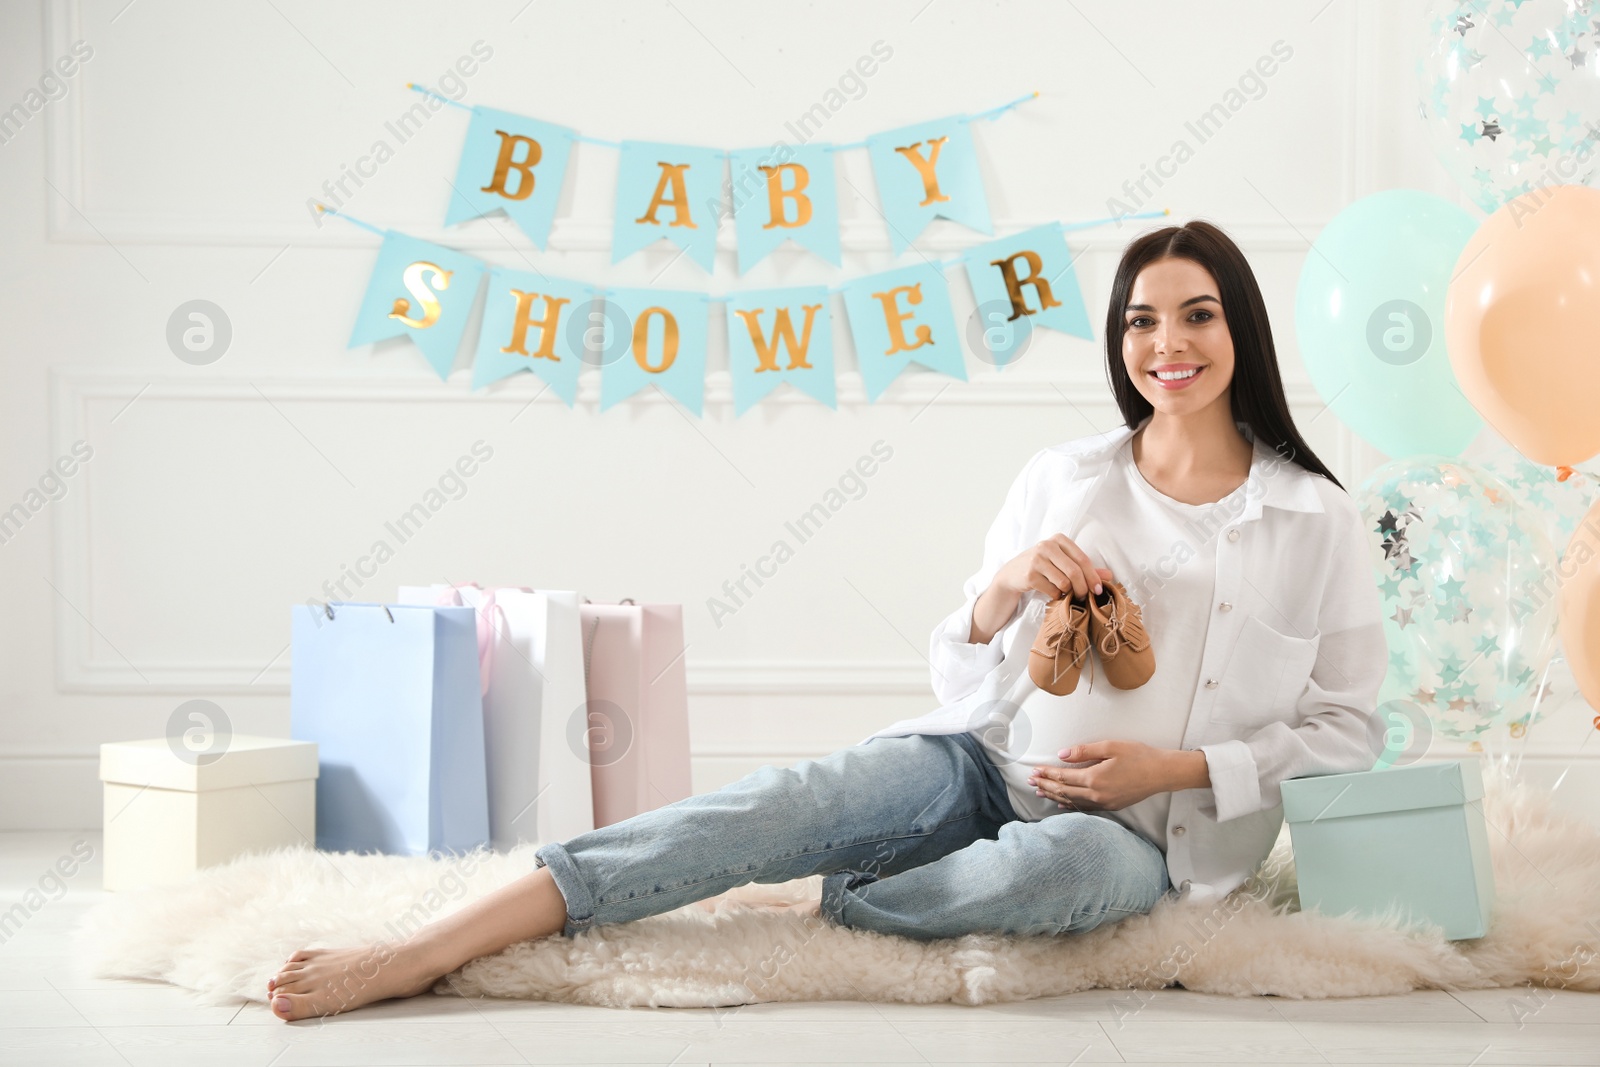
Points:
[(178, 164)]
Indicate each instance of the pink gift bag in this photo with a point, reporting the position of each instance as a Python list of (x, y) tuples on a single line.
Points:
[(638, 710)]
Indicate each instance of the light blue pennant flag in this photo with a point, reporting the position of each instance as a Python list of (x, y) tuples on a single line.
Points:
[(899, 317), (925, 171), (419, 290), (654, 337), (776, 336), (532, 322), (785, 192), (668, 190), (512, 164), (1023, 281)]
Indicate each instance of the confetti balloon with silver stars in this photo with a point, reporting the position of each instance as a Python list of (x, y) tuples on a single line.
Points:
[(1467, 581), (1510, 91)]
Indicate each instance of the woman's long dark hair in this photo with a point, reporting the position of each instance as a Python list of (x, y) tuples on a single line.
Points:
[(1256, 393)]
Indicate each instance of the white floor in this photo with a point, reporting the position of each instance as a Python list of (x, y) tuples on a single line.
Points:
[(51, 1012)]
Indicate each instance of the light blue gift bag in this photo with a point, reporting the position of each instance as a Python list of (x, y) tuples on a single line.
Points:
[(391, 695), (1412, 838)]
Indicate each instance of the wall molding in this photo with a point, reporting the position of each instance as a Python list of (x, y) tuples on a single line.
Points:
[(74, 388), (490, 234), (64, 169)]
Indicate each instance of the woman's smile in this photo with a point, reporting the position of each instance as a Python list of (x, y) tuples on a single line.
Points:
[(1184, 382)]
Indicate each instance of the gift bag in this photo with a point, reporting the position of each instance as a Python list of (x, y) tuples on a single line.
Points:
[(531, 667), (391, 695), (638, 711)]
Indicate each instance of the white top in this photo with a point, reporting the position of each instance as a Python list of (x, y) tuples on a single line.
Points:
[(1289, 668), (1164, 553)]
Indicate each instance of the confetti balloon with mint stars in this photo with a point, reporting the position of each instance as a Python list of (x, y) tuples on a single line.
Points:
[(1510, 92), (1559, 505), (1467, 582)]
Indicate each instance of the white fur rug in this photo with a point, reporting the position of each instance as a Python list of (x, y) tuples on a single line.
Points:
[(227, 929)]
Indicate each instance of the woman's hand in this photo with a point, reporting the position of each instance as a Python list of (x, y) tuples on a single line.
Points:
[(1052, 568), (1117, 774)]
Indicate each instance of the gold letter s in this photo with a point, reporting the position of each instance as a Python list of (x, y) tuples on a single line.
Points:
[(417, 286)]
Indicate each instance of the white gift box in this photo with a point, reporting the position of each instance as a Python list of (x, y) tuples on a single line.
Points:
[(169, 814)]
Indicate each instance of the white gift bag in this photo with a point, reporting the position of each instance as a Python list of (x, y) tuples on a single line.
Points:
[(534, 709)]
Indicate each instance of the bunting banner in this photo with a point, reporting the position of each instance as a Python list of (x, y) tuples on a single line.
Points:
[(675, 192), (777, 336), (668, 191), (422, 291), (659, 338), (511, 164), (1023, 281), (535, 323), (925, 172), (544, 325), (901, 317), (785, 194), (539, 323)]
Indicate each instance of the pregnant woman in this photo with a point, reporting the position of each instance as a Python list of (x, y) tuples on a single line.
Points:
[(1209, 537)]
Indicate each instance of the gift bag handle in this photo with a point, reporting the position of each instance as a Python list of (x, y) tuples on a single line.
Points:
[(589, 645)]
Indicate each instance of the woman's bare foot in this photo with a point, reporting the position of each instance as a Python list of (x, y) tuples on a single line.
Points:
[(321, 981), (325, 981)]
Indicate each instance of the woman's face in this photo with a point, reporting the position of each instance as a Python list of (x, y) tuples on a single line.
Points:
[(1175, 324)]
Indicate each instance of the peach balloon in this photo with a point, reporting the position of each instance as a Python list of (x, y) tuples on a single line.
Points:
[(1522, 323), (1578, 606)]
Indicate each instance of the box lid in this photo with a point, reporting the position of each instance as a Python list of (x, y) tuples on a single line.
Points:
[(1419, 785), (245, 760)]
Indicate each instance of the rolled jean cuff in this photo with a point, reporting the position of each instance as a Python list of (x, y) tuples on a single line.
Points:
[(835, 888), (580, 902)]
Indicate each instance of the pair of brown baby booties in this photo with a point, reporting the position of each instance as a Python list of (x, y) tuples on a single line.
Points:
[(1108, 621)]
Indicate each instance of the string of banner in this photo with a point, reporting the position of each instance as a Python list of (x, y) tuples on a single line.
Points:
[(532, 321)]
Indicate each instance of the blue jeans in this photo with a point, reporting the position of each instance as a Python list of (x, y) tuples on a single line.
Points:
[(915, 835)]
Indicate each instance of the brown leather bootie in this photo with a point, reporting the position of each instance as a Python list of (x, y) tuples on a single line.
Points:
[(1061, 647), (1117, 629)]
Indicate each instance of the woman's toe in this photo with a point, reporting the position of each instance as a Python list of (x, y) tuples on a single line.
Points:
[(293, 1006), (291, 984)]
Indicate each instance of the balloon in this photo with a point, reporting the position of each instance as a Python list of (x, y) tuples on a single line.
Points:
[(1466, 579), (1579, 602), (1368, 315), (1509, 90), (1557, 505), (1521, 317)]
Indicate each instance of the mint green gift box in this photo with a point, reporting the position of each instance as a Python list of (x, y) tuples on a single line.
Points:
[(1412, 837)]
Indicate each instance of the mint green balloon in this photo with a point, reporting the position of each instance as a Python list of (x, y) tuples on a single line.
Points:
[(1369, 315)]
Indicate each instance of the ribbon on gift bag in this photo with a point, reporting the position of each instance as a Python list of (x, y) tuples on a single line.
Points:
[(450, 596)]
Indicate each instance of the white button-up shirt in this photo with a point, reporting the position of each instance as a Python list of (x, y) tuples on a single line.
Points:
[(1289, 675)]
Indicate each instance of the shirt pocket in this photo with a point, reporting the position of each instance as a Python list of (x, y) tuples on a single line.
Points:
[(1265, 676)]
